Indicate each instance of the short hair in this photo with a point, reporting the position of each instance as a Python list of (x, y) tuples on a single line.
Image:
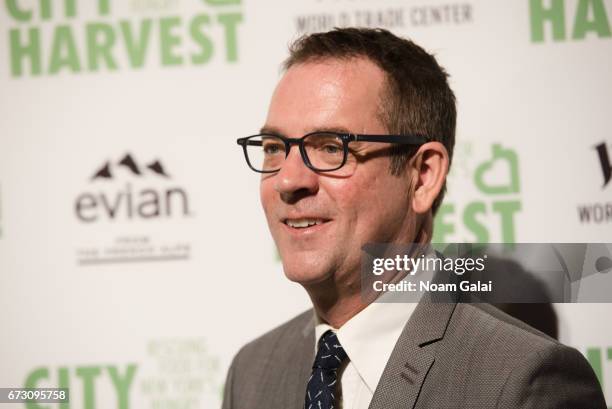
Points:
[(416, 98)]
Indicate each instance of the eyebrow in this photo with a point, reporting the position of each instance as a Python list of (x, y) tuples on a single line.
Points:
[(276, 131)]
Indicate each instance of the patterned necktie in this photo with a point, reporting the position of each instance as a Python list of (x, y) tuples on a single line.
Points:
[(322, 382)]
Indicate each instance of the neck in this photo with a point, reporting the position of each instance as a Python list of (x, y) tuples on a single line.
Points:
[(333, 308), (335, 303)]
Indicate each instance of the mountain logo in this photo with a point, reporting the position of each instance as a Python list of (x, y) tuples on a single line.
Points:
[(142, 197), (106, 171)]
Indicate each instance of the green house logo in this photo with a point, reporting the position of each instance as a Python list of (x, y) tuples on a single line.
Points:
[(497, 202)]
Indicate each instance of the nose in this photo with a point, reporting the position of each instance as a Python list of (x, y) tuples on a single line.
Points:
[(295, 180)]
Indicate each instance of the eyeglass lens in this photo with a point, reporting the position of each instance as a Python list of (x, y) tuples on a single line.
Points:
[(324, 151)]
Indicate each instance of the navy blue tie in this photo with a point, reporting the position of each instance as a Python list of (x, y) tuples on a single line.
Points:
[(320, 393)]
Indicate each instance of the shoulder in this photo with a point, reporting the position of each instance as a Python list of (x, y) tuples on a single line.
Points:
[(496, 337), (485, 321), (485, 341), (258, 368), (521, 365), (287, 333)]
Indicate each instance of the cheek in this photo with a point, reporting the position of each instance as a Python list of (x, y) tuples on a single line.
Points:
[(382, 207), (343, 195), (266, 196), (358, 203)]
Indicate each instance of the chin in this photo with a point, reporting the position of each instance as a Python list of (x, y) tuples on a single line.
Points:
[(305, 272)]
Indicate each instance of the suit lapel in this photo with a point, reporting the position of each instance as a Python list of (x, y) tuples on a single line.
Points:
[(410, 362), (300, 367)]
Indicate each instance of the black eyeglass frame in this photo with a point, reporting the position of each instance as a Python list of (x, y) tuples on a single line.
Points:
[(410, 139)]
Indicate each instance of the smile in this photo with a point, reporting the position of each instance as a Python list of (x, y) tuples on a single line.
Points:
[(304, 222)]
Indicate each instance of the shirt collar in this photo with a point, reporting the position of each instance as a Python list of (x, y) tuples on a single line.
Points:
[(370, 336)]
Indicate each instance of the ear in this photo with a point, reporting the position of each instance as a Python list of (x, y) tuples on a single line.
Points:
[(431, 166)]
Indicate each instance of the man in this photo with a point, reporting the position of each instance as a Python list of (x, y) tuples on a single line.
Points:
[(373, 119)]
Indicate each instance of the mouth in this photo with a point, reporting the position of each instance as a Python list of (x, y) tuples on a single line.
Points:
[(305, 223)]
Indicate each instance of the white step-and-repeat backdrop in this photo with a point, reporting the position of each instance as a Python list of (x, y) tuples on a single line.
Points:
[(134, 256)]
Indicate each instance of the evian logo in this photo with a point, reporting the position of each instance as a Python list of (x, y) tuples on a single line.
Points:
[(125, 189)]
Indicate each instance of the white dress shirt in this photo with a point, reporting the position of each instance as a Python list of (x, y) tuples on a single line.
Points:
[(368, 339)]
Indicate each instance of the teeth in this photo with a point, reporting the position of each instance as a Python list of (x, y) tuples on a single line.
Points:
[(301, 223)]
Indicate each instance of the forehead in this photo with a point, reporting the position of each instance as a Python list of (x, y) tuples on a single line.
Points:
[(330, 92)]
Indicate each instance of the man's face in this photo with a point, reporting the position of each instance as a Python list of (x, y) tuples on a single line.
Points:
[(370, 205)]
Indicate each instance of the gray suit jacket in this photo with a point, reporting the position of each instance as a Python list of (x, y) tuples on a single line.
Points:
[(448, 356)]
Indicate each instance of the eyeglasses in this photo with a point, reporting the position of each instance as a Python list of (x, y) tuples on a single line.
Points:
[(320, 151)]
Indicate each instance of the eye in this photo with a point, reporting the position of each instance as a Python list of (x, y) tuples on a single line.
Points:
[(272, 148), (332, 148)]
